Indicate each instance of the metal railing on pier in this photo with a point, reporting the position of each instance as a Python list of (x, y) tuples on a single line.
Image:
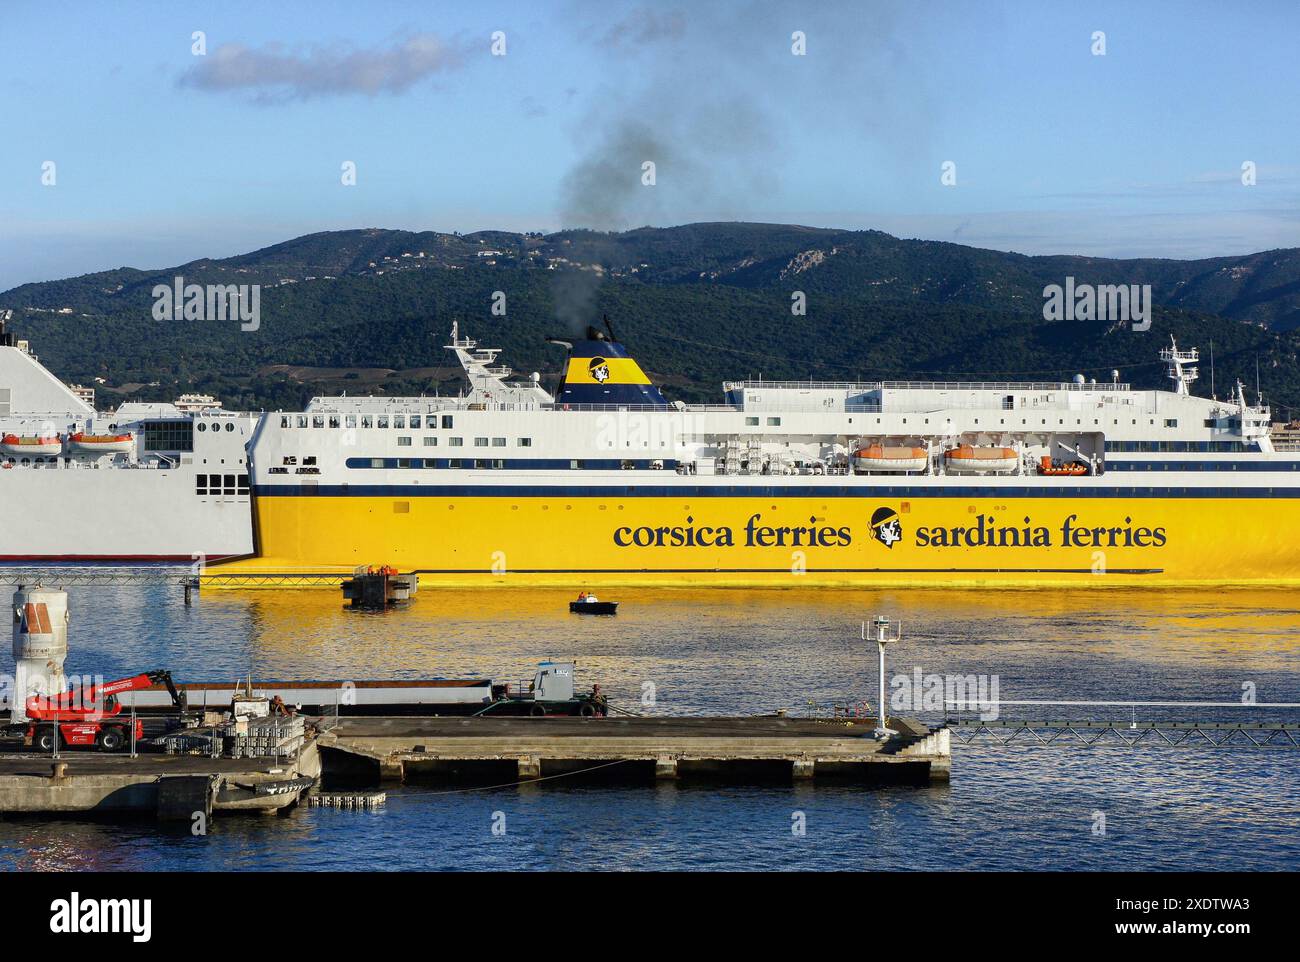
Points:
[(1126, 733)]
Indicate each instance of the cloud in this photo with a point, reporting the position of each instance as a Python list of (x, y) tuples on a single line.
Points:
[(275, 73)]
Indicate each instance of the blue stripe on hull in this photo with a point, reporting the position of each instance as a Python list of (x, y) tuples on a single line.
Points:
[(756, 491)]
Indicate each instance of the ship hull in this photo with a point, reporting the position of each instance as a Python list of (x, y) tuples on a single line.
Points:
[(117, 515), (838, 535)]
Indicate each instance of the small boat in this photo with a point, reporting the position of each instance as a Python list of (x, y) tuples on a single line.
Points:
[(102, 443), (971, 459), (1069, 469), (591, 605), (877, 457), (46, 446)]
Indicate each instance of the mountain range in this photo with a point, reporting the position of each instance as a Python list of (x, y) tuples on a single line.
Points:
[(370, 310)]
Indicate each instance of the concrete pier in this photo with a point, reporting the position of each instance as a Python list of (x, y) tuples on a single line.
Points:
[(169, 786), (400, 748)]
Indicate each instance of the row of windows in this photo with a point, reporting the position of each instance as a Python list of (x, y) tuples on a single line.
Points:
[(515, 464), (203, 426), (1203, 466), (1178, 446), (400, 421), (221, 484)]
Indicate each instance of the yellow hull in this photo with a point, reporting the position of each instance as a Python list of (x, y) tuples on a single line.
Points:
[(792, 542)]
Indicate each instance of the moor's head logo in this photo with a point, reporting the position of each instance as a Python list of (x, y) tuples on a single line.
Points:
[(599, 369), (886, 527)]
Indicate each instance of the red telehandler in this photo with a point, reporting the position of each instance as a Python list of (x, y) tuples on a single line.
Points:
[(90, 716)]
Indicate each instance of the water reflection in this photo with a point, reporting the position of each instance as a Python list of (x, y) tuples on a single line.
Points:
[(720, 651)]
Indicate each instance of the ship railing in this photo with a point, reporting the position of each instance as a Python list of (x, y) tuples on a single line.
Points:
[(926, 385)]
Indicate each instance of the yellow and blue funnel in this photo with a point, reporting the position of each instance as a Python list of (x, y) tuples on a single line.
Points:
[(599, 371)]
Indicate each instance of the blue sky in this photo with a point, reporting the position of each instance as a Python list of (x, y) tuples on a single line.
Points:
[(163, 156)]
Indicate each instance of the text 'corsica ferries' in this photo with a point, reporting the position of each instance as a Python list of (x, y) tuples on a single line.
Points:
[(785, 483)]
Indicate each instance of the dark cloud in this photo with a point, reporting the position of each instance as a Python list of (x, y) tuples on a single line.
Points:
[(276, 73)]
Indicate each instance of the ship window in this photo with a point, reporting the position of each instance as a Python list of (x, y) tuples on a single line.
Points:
[(525, 442), (446, 420), (243, 483), (628, 465), (366, 421), (1171, 422), (202, 426), (169, 435), (200, 484), (480, 442), (415, 420), (302, 420), (454, 463), (403, 462), (310, 459), (382, 421), (576, 465), (751, 421), (774, 422), (376, 462), (456, 442), (317, 421), (399, 421), (286, 421), (229, 483), (334, 420), (404, 442), (350, 421), (498, 442), (430, 442)]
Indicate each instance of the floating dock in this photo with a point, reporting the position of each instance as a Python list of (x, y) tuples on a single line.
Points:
[(526, 749)]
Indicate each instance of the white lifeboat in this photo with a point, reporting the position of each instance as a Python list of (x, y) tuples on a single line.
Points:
[(877, 457), (38, 447), (102, 443), (968, 459)]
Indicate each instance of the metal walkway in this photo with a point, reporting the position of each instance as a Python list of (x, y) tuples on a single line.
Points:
[(182, 576), (1129, 733)]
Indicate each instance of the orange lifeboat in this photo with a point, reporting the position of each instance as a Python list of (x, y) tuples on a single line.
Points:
[(877, 457), (102, 443), (46, 446), (1070, 469), (969, 460)]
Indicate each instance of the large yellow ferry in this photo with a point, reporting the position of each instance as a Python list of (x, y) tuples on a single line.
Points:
[(785, 483)]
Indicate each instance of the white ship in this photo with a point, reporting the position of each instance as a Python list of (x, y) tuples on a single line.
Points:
[(146, 482)]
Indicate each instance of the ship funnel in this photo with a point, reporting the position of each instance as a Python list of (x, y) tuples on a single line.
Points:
[(599, 371)]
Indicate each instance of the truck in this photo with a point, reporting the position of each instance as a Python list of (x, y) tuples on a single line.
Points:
[(550, 693)]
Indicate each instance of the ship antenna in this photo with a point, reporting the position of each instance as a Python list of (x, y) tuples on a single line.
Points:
[(609, 327)]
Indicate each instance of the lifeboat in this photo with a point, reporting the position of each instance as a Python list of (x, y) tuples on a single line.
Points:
[(1068, 469), (971, 459), (877, 457), (102, 443), (39, 447)]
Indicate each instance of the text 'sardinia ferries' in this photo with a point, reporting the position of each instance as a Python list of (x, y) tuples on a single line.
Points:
[(785, 483)]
